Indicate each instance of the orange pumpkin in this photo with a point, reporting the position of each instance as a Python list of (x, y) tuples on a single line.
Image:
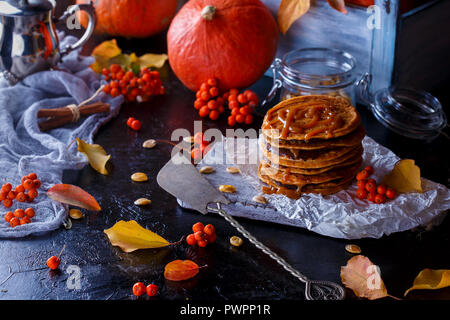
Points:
[(131, 18), (234, 41)]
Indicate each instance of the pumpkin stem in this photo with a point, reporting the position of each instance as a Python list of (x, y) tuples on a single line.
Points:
[(208, 12)]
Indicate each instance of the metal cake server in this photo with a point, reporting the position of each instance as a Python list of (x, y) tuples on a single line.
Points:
[(183, 181)]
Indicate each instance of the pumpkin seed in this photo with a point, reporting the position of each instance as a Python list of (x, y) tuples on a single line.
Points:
[(207, 169), (189, 139), (76, 214), (236, 241), (142, 202), (67, 223), (139, 177), (228, 188), (148, 144), (233, 170), (353, 248), (259, 198)]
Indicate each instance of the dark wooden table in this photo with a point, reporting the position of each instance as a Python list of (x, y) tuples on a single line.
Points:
[(244, 273)]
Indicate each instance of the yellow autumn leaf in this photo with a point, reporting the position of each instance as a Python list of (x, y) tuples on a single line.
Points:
[(103, 53), (107, 49), (291, 10), (130, 236), (96, 155), (430, 280), (152, 60), (404, 177)]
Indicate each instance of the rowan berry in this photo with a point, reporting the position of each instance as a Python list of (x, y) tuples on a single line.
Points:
[(198, 104), (25, 220), (152, 290), (242, 99), (8, 216), (7, 203), (362, 175), (199, 235), (369, 170), (19, 188), (214, 92), (214, 114), (53, 262), (19, 213), (381, 189), (33, 194), (212, 82), (190, 239), (248, 119), (136, 125), (32, 176), (204, 111), (7, 187), (130, 120), (12, 195), (212, 104), (371, 186), (231, 121), (209, 229), (390, 193), (240, 118), (198, 227), (139, 289), (14, 222), (202, 243), (379, 198), (371, 196), (361, 183), (361, 194), (29, 212), (21, 197)]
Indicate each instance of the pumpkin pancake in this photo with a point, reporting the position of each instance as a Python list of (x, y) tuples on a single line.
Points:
[(311, 117), (352, 139), (356, 159), (294, 191), (324, 158), (287, 177)]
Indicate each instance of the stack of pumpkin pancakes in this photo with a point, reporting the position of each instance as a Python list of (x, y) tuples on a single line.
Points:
[(310, 144)]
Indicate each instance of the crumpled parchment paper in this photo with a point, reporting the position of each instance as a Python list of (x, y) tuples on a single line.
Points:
[(341, 215)]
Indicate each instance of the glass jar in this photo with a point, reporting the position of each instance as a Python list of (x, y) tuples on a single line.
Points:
[(314, 71)]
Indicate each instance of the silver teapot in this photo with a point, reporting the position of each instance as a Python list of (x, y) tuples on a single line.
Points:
[(28, 39)]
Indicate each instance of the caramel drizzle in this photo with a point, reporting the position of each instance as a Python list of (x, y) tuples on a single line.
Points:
[(315, 111)]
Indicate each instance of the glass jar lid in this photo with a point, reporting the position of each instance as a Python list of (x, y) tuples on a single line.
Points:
[(412, 113)]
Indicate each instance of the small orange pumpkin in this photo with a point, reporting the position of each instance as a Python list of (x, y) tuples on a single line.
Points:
[(131, 18), (234, 41)]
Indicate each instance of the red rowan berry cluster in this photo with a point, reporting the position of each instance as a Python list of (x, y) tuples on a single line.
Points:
[(211, 103), (242, 105), (20, 216), (126, 83), (368, 188), (25, 192), (139, 289), (200, 147), (202, 235)]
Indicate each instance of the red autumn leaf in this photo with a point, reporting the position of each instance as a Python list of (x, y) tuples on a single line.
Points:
[(180, 270), (73, 195)]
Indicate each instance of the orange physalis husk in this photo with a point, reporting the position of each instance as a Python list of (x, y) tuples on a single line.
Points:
[(179, 270)]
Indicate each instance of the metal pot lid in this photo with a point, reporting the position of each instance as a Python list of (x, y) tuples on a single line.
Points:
[(24, 7), (412, 113)]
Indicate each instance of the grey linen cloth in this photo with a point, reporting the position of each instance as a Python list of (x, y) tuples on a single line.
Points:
[(25, 149)]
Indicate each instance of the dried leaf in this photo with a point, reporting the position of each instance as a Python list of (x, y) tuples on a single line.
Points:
[(405, 177), (130, 236), (363, 277), (73, 195), (180, 270), (152, 60), (430, 280), (96, 155), (108, 52), (338, 5), (291, 10), (103, 53)]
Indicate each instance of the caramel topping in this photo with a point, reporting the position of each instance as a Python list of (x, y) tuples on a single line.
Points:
[(309, 118)]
